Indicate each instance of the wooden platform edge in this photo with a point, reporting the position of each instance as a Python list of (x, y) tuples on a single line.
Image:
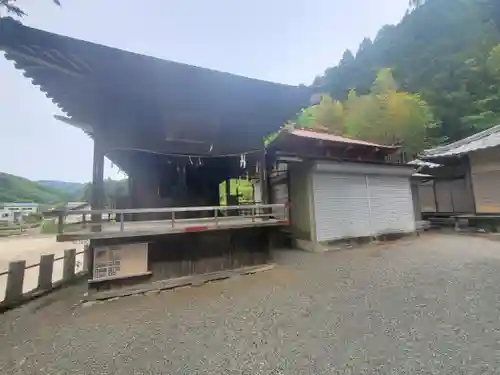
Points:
[(195, 280), (67, 237), (110, 278)]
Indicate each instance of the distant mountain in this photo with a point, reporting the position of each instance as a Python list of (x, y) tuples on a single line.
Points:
[(73, 189), (18, 189)]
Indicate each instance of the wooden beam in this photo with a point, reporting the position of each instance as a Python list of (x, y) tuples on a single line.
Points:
[(228, 190), (41, 62), (265, 172), (98, 195)]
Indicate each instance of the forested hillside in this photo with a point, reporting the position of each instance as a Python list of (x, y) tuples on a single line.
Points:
[(73, 189), (115, 190), (446, 51), (18, 189)]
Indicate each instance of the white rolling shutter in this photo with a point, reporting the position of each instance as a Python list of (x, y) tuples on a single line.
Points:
[(359, 205), (341, 206), (391, 204)]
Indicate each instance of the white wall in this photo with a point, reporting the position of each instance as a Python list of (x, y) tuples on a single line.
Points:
[(7, 216)]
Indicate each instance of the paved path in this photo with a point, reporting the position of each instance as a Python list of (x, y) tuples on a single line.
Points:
[(423, 306)]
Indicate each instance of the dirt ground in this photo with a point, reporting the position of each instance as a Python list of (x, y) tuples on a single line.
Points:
[(30, 248), (427, 305)]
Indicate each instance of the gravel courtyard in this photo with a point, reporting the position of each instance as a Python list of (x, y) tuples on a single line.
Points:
[(429, 305)]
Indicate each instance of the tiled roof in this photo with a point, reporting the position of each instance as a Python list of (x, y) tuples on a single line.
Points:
[(321, 135), (485, 139)]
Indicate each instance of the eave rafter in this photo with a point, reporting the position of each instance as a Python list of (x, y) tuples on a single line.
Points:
[(148, 103)]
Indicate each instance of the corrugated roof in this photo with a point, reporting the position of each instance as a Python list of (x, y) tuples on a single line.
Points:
[(482, 140), (321, 135)]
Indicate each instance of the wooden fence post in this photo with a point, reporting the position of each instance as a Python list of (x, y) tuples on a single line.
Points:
[(15, 280), (60, 223), (69, 264), (86, 258), (45, 272)]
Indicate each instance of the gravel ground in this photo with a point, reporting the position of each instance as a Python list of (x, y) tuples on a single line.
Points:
[(422, 306)]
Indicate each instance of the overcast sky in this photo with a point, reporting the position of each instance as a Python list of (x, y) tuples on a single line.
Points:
[(288, 41)]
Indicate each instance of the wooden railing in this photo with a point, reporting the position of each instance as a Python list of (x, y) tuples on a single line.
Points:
[(218, 215), (14, 286)]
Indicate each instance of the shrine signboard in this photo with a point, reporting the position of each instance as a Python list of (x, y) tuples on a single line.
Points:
[(120, 261)]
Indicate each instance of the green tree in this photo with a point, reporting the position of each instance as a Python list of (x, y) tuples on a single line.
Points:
[(364, 47), (385, 82), (389, 117), (416, 3), (439, 51), (383, 115), (493, 62), (114, 190), (484, 108), (327, 114), (18, 189), (347, 57), (87, 193)]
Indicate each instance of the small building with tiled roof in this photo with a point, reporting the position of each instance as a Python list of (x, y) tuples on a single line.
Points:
[(339, 188), (468, 178)]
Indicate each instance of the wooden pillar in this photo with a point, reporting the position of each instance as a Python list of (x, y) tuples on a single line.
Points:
[(228, 190), (264, 191), (416, 198), (435, 195), (470, 185), (269, 190), (213, 193), (98, 194), (132, 201), (15, 281), (69, 264), (45, 272), (130, 183), (90, 259)]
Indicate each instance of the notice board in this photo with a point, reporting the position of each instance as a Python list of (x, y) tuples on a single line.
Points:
[(120, 261)]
